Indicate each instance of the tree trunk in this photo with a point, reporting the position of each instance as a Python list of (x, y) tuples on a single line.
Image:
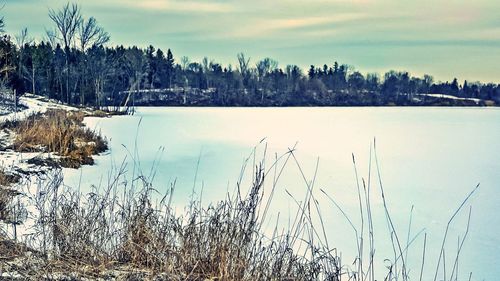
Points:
[(33, 80), (67, 79)]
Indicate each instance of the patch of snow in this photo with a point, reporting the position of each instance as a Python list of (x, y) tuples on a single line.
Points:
[(34, 104), (442, 96)]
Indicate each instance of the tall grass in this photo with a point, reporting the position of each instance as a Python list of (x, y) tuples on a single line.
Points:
[(122, 227), (58, 131), (128, 230), (6, 194)]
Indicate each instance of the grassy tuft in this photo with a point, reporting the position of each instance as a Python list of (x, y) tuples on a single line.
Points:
[(60, 132), (6, 195), (7, 179)]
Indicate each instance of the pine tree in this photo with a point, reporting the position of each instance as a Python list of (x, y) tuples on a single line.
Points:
[(312, 72), (454, 87), (465, 90), (170, 67)]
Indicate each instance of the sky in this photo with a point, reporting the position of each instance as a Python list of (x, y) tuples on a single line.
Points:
[(447, 39)]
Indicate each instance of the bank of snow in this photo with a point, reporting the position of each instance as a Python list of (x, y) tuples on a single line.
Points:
[(26, 166), (450, 97), (18, 161)]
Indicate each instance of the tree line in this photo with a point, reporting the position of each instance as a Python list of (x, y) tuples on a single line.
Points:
[(72, 64)]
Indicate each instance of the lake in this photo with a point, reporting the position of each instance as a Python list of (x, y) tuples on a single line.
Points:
[(429, 158)]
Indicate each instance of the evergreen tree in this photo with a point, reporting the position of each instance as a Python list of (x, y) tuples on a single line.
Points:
[(454, 87), (465, 90), (312, 72), (169, 66)]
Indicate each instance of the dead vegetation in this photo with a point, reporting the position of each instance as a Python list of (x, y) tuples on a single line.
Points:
[(123, 232), (7, 179), (6, 194), (110, 111), (126, 230), (5, 200), (60, 132)]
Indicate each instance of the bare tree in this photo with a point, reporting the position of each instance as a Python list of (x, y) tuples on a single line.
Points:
[(266, 66), (90, 33), (184, 62), (67, 21), (243, 64), (206, 64), (22, 38), (51, 36), (244, 68), (6, 61), (2, 22)]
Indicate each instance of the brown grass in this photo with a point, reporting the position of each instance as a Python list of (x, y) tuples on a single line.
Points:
[(6, 195), (120, 232), (102, 113), (125, 232), (4, 204), (60, 132), (7, 179)]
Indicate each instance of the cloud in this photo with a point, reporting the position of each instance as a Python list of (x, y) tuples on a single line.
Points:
[(366, 33), (182, 6), (291, 23), (269, 27)]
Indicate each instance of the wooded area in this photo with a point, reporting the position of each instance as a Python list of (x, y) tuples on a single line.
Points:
[(73, 64)]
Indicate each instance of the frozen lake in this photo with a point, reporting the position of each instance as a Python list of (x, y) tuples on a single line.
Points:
[(430, 158)]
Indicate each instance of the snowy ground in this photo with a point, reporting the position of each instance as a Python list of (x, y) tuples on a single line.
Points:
[(11, 160), (32, 175), (450, 97), (34, 104)]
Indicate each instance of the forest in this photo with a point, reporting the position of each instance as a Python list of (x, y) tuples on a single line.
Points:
[(74, 64)]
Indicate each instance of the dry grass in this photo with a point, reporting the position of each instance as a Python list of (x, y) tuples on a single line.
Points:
[(6, 194), (125, 231), (7, 179), (120, 232), (8, 212), (5, 200), (108, 112), (60, 132)]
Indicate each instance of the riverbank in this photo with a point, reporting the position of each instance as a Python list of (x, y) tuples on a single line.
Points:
[(47, 135), (42, 137), (117, 232), (192, 97), (36, 143)]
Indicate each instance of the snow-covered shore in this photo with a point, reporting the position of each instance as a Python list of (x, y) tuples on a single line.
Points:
[(17, 161), (450, 97), (34, 104), (23, 164)]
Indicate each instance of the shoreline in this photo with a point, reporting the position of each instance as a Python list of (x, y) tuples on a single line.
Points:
[(26, 159), (20, 160)]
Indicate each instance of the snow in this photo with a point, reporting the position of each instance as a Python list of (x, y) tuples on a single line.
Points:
[(442, 96), (17, 163), (34, 104)]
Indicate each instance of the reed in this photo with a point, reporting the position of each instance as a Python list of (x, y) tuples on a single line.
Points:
[(127, 230), (60, 132)]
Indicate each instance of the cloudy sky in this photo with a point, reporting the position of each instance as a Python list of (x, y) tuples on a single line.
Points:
[(453, 38)]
